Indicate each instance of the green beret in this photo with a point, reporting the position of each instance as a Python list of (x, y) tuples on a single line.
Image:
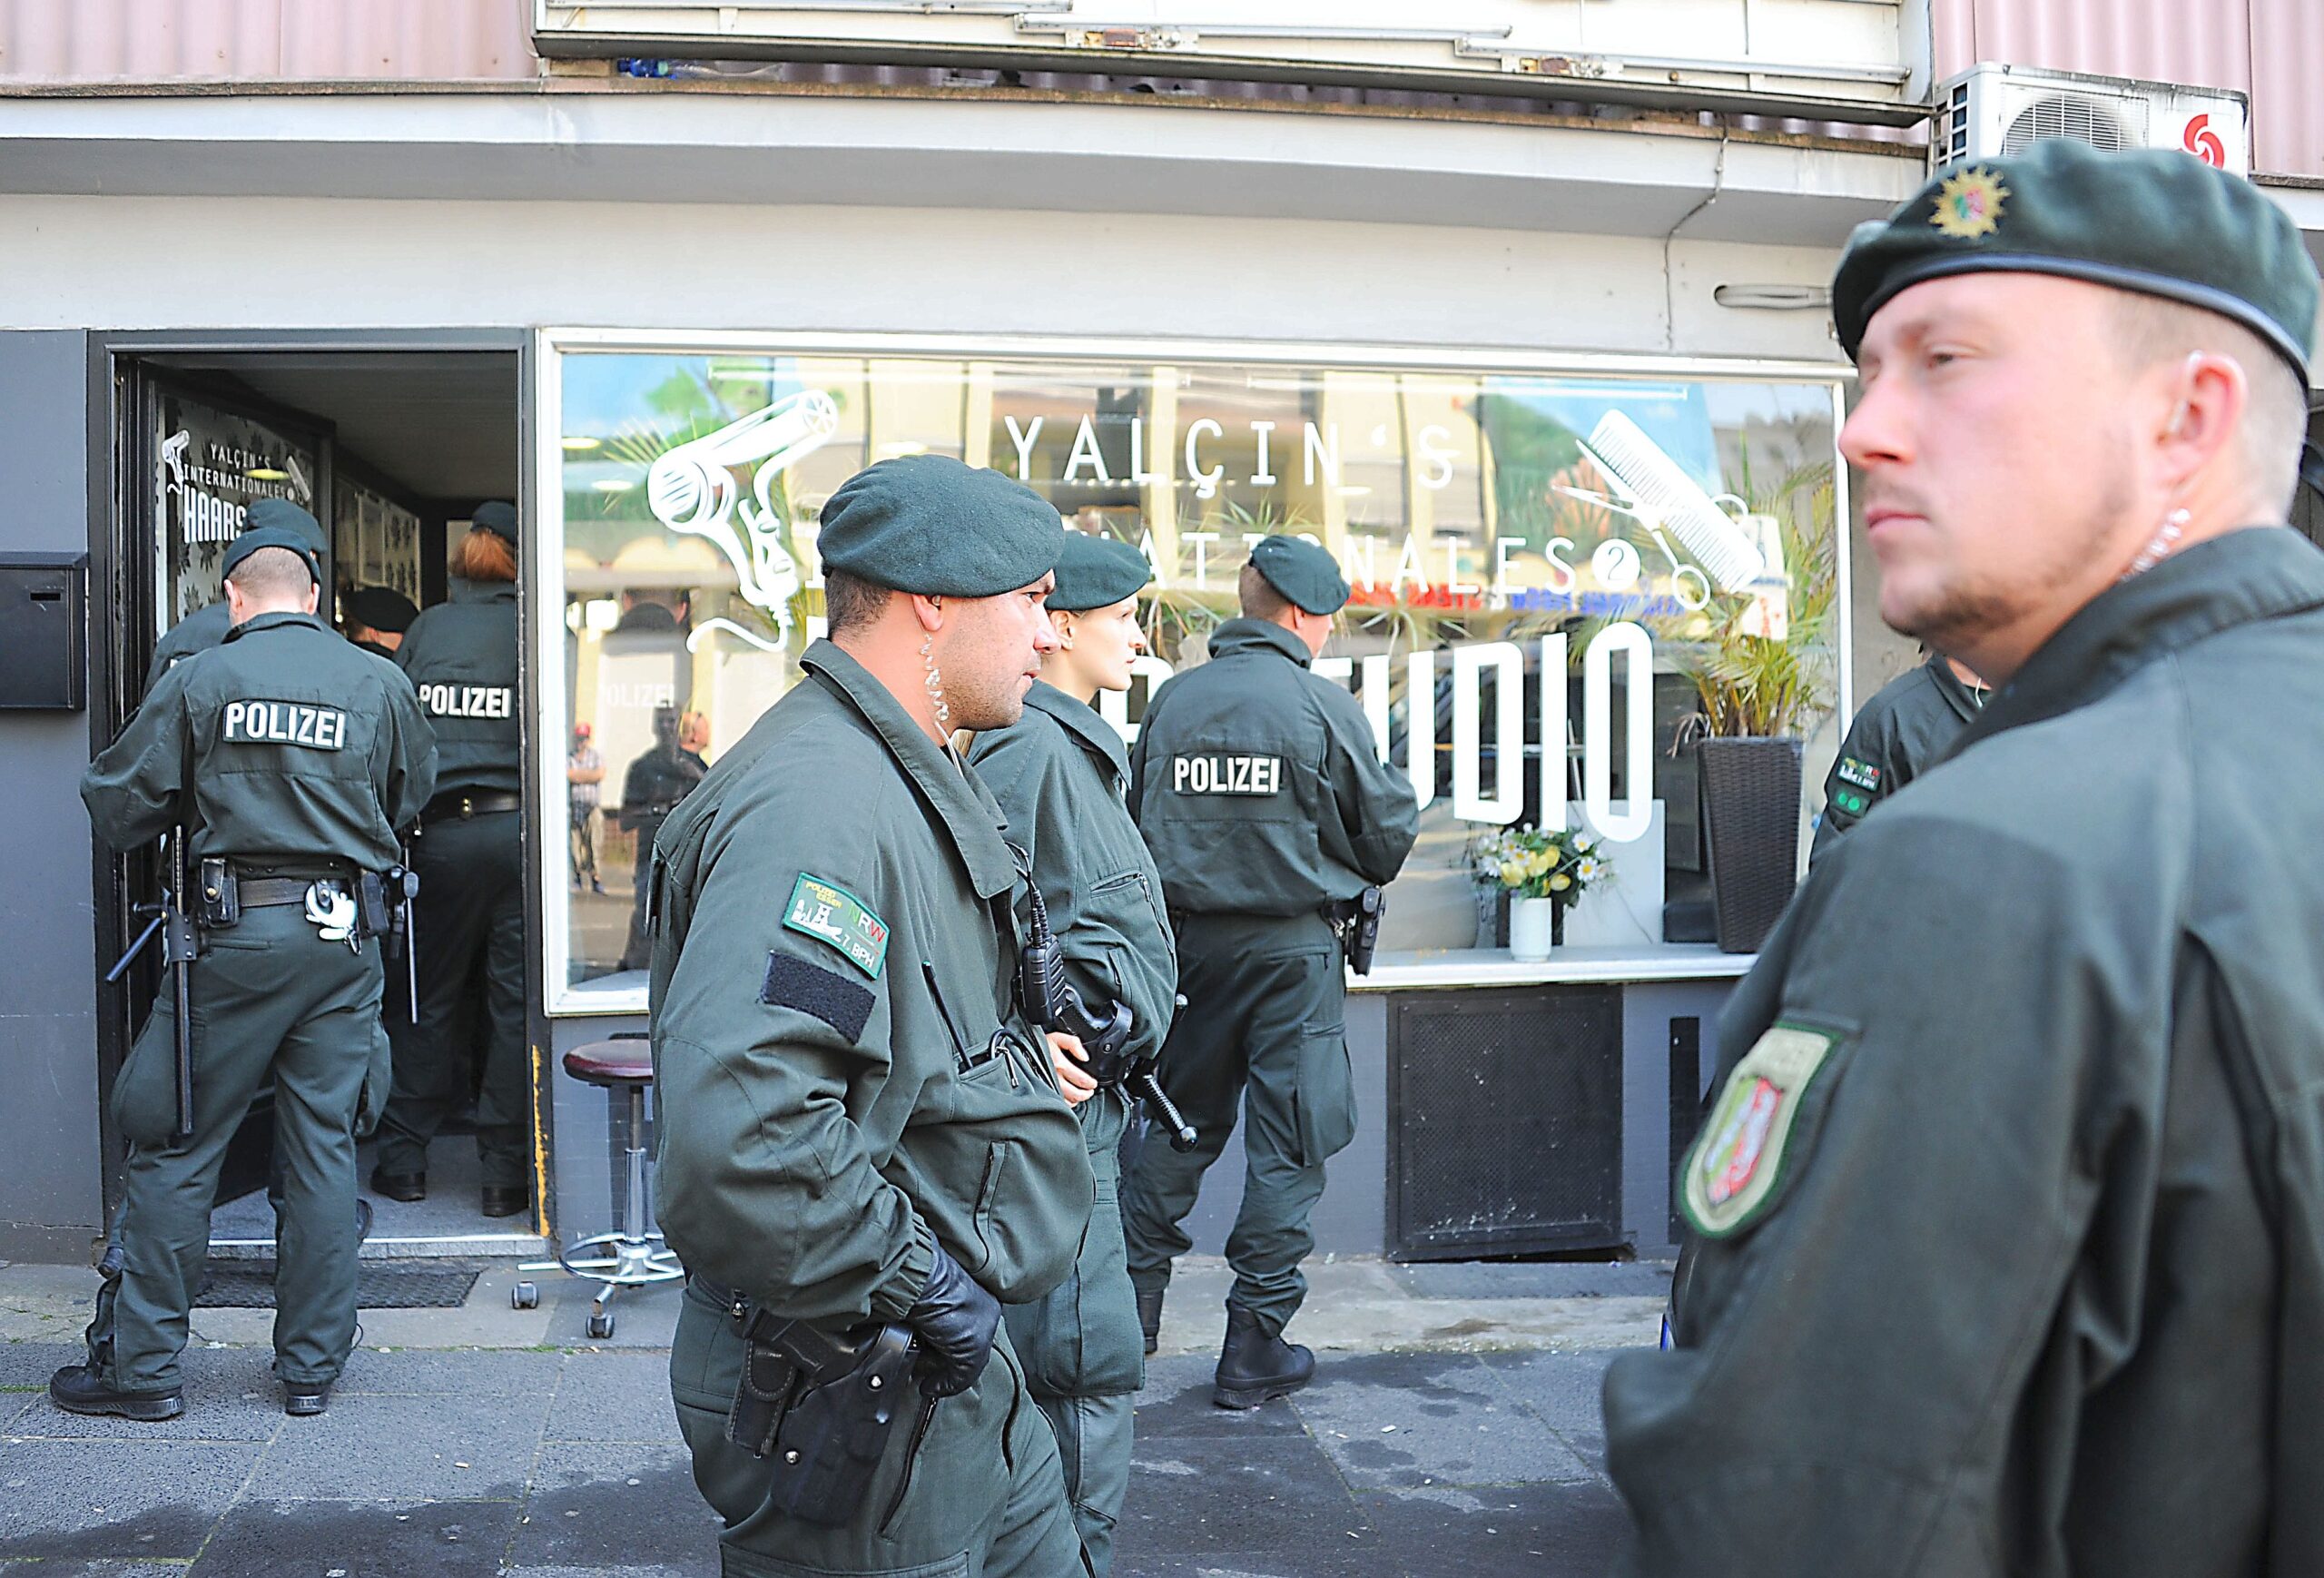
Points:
[(381, 607), (929, 524), (282, 515), (1302, 572), (2158, 221), (250, 542), (498, 517), (1096, 572)]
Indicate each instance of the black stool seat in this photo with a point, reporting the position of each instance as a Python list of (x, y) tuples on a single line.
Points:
[(610, 1063)]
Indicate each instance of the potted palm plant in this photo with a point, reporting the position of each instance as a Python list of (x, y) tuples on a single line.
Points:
[(1763, 665)]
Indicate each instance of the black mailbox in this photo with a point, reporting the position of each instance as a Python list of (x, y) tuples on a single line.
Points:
[(44, 660)]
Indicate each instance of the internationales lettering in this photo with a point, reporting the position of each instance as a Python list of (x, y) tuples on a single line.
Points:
[(467, 701), (1226, 775), (284, 722)]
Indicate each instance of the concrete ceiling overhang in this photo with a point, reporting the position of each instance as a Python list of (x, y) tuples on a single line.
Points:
[(1616, 178)]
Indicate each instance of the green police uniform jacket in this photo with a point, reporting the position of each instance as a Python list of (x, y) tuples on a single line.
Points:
[(1062, 777), (199, 631), (2011, 1252), (1255, 783), (461, 659), (301, 750), (1902, 732), (832, 978)]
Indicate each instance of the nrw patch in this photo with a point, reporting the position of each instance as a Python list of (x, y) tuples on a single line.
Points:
[(829, 913), (823, 994), (1737, 1162), (1856, 769)]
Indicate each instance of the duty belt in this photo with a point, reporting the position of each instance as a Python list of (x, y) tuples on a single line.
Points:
[(466, 803), (261, 892)]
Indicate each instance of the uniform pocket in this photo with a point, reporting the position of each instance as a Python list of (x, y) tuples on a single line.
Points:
[(1323, 1102)]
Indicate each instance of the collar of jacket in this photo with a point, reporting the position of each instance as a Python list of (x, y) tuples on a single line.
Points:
[(970, 813), (1258, 636), (2258, 573), (272, 621), (468, 591), (1965, 702), (1084, 723)]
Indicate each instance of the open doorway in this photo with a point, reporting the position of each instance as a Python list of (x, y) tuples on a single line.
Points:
[(390, 449)]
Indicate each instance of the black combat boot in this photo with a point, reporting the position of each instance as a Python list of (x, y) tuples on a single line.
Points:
[(406, 1187), (305, 1399), (79, 1389), (1149, 1318), (1254, 1366)]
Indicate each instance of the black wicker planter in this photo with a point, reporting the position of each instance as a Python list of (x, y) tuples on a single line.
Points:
[(1751, 825)]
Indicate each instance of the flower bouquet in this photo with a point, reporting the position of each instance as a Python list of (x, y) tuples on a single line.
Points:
[(1543, 873)]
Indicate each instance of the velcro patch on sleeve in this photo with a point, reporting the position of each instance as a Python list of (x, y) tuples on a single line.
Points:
[(1738, 1163), (819, 993)]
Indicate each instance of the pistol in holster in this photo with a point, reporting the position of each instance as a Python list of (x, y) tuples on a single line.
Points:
[(1357, 921), (820, 1408)]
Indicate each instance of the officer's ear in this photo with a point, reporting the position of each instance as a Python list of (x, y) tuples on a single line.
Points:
[(314, 596), (928, 610)]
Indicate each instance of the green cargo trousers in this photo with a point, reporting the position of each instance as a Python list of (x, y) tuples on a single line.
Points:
[(1083, 1355), (269, 999), (1265, 1027), (471, 919), (983, 1497)]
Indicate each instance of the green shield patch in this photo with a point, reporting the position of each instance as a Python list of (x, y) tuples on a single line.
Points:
[(1733, 1169), (829, 913)]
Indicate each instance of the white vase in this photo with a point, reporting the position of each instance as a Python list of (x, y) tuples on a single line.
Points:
[(1531, 923)]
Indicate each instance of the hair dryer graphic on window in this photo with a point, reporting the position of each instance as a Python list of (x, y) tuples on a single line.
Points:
[(1655, 491), (691, 489)]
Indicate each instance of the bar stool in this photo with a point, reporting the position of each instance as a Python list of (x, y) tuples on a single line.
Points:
[(635, 1257)]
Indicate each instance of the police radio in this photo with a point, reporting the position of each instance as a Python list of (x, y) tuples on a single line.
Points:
[(1052, 999)]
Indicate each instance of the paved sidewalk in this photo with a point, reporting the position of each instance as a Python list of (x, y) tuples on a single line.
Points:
[(1453, 1430)]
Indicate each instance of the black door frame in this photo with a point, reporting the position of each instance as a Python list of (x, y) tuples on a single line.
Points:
[(121, 556)]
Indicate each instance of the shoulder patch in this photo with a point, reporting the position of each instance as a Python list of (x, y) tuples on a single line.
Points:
[(819, 993), (829, 913), (1856, 769), (1732, 1171)]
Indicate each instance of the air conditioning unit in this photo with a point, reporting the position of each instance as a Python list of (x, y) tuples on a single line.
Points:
[(1991, 109)]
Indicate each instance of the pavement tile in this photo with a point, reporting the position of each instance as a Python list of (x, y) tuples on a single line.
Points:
[(135, 1499), (644, 1317), (596, 1505), (1542, 1531), (97, 1569), (229, 1396), (1300, 1564), (1562, 1390), (1176, 1402), (475, 1373), (29, 1365), (358, 1539), (1430, 1419), (629, 1572), (404, 1448), (1190, 1494), (1545, 1279), (614, 1396)]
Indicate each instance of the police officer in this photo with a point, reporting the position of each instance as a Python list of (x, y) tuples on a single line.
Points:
[(461, 659), (206, 626), (1256, 784), (661, 775), (855, 1123), (2015, 1266), (375, 618), (1906, 728), (293, 757), (1063, 776)]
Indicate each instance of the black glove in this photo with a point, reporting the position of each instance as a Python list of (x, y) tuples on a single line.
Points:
[(955, 1321)]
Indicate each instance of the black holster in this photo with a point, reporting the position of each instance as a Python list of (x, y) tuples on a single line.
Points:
[(820, 1408), (219, 897), (1357, 921)]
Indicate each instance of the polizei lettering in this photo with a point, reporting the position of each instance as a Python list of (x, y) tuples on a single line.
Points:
[(285, 722), (1226, 775), (467, 701)]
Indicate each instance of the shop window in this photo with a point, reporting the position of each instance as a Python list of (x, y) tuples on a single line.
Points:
[(1491, 523)]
